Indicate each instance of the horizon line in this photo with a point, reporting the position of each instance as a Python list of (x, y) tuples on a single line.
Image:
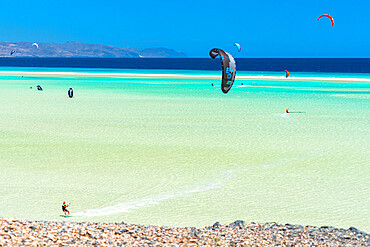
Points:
[(15, 57)]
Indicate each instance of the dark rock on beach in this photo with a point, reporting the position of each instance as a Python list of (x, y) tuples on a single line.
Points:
[(238, 223), (217, 224)]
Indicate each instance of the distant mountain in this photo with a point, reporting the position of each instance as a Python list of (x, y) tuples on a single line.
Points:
[(78, 49)]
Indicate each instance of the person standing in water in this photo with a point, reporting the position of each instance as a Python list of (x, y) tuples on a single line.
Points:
[(287, 111), (64, 208)]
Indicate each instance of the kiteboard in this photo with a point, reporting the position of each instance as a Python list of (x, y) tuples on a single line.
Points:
[(65, 216)]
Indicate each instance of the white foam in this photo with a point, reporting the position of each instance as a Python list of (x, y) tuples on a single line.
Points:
[(156, 199), (145, 201), (283, 115)]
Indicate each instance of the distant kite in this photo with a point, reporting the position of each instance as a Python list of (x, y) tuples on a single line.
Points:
[(12, 52), (70, 92), (238, 47), (228, 68), (329, 16), (286, 73), (35, 44)]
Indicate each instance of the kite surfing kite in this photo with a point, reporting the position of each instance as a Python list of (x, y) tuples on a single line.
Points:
[(238, 47), (329, 16), (35, 44), (286, 73), (12, 52), (228, 68), (70, 92)]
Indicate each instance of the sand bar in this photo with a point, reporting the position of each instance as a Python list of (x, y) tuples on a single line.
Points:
[(179, 76), (310, 88)]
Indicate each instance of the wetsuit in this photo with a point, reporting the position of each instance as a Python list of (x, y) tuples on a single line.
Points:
[(64, 208)]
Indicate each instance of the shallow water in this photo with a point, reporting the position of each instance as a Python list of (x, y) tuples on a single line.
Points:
[(180, 152)]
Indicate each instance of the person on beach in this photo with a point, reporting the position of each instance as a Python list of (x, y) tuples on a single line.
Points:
[(64, 208)]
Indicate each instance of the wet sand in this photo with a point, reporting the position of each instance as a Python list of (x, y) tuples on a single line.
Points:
[(15, 232)]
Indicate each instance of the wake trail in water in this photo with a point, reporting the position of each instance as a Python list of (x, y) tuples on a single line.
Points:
[(283, 115), (156, 199)]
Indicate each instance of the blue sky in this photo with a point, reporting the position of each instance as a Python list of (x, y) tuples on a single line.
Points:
[(264, 28)]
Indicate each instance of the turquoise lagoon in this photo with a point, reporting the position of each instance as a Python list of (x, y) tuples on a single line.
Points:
[(179, 152)]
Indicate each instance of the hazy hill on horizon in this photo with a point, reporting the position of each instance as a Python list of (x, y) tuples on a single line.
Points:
[(78, 49)]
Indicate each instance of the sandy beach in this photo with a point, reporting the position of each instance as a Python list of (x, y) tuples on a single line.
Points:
[(15, 232), (180, 76)]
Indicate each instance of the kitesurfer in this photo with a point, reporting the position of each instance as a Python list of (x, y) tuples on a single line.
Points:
[(39, 88), (64, 208), (287, 110)]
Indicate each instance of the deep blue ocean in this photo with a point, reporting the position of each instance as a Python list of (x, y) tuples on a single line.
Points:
[(345, 65)]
